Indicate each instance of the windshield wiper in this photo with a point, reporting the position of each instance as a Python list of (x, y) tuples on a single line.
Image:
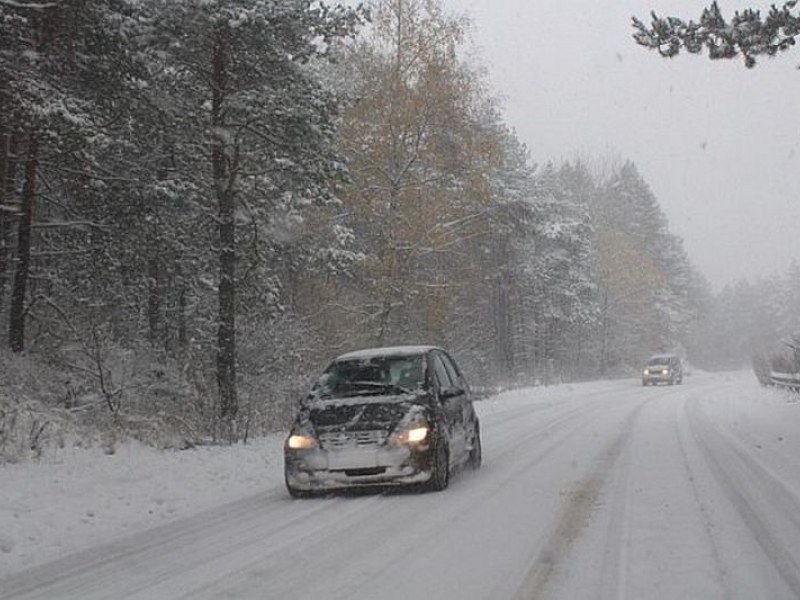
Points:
[(384, 387)]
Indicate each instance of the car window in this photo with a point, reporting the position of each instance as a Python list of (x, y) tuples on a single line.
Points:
[(440, 373), (452, 369), (408, 373)]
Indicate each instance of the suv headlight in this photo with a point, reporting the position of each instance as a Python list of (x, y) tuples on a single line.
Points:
[(415, 432), (301, 441)]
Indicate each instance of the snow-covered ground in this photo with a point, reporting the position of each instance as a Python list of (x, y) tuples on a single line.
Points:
[(601, 489), (76, 498)]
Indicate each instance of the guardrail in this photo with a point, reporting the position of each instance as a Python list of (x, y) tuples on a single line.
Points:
[(789, 381)]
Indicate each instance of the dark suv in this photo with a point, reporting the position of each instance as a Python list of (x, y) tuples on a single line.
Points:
[(662, 368), (383, 417)]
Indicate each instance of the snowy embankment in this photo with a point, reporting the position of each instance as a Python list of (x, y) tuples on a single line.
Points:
[(74, 499)]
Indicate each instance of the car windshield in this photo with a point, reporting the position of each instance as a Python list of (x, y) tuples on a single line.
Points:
[(401, 374), (658, 360)]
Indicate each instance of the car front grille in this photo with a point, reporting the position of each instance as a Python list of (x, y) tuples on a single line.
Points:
[(365, 472), (352, 439)]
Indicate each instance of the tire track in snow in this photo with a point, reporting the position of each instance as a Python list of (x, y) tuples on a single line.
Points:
[(614, 571), (575, 404), (768, 508), (683, 433), (614, 575), (144, 560), (550, 425), (576, 515)]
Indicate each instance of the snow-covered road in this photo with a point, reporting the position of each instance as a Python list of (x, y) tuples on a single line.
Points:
[(602, 490)]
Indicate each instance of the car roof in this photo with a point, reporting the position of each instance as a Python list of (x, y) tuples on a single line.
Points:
[(663, 357), (385, 351)]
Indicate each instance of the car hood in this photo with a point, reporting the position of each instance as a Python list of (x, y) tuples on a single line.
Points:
[(362, 413)]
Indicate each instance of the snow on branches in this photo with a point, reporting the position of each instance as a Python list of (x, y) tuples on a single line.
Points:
[(747, 33)]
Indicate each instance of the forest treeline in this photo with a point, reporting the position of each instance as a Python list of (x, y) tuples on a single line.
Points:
[(756, 322), (203, 202)]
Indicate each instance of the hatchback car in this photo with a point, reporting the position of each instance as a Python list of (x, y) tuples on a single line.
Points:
[(383, 417), (662, 368)]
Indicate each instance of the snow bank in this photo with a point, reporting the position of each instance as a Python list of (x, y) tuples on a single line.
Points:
[(75, 498)]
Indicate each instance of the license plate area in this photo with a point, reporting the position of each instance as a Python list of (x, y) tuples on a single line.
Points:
[(355, 458)]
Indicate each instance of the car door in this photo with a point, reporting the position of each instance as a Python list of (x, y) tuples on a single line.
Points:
[(468, 416), (452, 404), (457, 376)]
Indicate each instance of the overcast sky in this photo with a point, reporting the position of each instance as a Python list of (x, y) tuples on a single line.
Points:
[(719, 144)]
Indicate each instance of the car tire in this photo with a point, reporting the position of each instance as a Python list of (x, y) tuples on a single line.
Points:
[(440, 468), (476, 452)]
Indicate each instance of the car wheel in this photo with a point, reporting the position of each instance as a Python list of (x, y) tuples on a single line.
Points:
[(440, 468), (476, 452)]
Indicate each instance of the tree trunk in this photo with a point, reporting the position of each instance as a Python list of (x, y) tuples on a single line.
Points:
[(224, 190), (183, 337), (604, 339), (226, 338), (504, 350), (155, 293), (389, 262), (16, 320), (8, 160)]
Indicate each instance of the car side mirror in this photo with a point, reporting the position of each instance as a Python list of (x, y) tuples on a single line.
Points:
[(451, 392)]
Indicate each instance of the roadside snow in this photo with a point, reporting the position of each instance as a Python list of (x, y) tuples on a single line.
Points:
[(77, 498)]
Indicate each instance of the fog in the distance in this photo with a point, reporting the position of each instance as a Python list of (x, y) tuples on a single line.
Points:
[(718, 143)]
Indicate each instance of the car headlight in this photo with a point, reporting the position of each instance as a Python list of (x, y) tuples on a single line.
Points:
[(301, 441), (413, 433), (665, 372), (646, 372)]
